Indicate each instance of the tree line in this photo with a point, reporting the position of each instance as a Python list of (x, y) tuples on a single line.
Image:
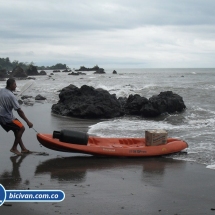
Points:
[(5, 63)]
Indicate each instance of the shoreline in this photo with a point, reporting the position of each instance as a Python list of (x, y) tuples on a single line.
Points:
[(101, 185), (121, 186)]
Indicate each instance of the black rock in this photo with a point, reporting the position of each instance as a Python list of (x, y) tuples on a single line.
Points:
[(20, 102), (42, 72), (87, 102), (18, 72), (32, 71), (39, 97), (168, 102)]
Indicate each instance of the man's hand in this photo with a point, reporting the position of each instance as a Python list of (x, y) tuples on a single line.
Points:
[(30, 125)]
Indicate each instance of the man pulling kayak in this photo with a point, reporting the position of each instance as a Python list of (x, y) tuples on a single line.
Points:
[(8, 102)]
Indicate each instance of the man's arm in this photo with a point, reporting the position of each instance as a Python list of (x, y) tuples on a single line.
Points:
[(22, 115)]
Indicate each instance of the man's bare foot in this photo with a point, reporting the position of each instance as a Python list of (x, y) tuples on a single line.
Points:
[(26, 151), (16, 152)]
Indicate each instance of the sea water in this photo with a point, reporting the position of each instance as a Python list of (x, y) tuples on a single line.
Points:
[(196, 125)]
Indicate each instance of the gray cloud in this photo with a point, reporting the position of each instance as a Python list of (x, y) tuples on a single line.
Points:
[(97, 15), (138, 32)]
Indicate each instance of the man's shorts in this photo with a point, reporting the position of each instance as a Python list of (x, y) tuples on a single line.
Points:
[(15, 125)]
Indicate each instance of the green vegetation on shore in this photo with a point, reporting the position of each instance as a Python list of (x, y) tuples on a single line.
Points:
[(5, 63)]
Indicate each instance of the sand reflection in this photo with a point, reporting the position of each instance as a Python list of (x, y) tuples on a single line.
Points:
[(12, 179), (74, 169)]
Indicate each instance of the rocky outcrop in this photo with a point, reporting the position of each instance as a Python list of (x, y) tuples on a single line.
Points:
[(42, 72), (114, 72), (32, 71), (99, 71), (39, 97), (87, 102), (165, 102), (18, 72), (76, 73), (83, 68), (95, 68)]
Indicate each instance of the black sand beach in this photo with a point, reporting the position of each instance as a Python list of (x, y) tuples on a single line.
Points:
[(96, 185)]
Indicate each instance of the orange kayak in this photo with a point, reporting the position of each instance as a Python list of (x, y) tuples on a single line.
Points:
[(123, 147)]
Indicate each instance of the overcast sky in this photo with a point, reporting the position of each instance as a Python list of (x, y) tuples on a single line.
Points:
[(111, 34)]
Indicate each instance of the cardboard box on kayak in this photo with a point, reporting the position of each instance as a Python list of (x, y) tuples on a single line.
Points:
[(155, 137)]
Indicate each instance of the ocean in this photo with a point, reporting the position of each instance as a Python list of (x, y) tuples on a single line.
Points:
[(196, 125)]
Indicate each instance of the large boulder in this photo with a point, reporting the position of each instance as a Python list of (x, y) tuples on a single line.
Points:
[(18, 72), (165, 102), (42, 72), (87, 102), (39, 97), (32, 71)]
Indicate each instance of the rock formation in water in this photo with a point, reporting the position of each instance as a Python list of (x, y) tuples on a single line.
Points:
[(87, 102), (18, 72), (32, 71)]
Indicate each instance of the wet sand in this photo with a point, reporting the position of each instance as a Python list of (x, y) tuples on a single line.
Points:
[(99, 185)]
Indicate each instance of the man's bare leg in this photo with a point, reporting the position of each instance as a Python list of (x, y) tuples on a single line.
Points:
[(18, 140), (23, 148)]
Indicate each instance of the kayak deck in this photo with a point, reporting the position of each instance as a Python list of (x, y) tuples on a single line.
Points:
[(131, 147)]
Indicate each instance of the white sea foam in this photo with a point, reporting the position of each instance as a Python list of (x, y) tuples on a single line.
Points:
[(211, 166), (149, 86), (104, 87), (128, 127)]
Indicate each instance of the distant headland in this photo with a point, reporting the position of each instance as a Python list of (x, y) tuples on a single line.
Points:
[(6, 64), (23, 70), (95, 68)]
